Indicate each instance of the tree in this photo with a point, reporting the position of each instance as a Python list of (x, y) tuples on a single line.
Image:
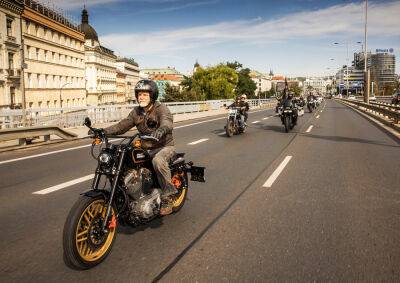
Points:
[(172, 94), (296, 89), (245, 84), (215, 82)]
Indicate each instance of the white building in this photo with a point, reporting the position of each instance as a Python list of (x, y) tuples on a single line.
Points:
[(316, 84), (100, 68), (10, 54), (54, 73), (130, 69), (262, 81)]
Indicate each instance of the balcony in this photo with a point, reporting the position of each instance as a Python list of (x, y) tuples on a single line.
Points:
[(14, 73), (11, 40)]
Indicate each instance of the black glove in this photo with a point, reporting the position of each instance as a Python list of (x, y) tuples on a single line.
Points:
[(159, 133), (94, 133)]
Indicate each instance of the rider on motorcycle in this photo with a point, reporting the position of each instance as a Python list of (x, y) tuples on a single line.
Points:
[(245, 106), (152, 118), (239, 104)]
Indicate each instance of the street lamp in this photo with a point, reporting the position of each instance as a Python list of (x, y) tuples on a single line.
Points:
[(60, 94), (347, 63)]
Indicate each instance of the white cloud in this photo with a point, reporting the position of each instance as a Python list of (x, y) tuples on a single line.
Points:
[(343, 21)]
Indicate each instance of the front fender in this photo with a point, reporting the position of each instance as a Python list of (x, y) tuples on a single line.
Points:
[(95, 193)]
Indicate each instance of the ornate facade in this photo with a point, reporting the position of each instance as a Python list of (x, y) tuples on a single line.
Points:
[(127, 77), (10, 54), (100, 67), (54, 58)]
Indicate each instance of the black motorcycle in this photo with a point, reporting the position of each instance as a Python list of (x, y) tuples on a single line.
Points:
[(131, 196), (233, 122), (288, 113), (311, 104)]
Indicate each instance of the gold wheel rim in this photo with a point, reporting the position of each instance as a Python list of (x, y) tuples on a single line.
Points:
[(179, 198), (85, 250)]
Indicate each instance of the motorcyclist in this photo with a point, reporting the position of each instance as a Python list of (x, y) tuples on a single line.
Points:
[(152, 118), (288, 100), (245, 106), (236, 104)]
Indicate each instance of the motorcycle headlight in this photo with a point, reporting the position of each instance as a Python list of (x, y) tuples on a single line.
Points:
[(105, 158)]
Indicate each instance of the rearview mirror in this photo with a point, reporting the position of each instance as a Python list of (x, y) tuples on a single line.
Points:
[(87, 122)]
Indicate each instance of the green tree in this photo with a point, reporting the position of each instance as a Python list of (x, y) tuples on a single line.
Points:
[(172, 94), (245, 84), (296, 89), (216, 82)]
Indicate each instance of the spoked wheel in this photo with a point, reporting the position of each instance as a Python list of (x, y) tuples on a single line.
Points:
[(229, 128), (85, 244), (309, 108), (179, 198)]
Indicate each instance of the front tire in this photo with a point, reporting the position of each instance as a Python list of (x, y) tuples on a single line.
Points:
[(287, 124), (229, 128), (85, 246)]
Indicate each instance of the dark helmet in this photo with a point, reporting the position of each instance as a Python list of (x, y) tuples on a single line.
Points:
[(148, 86), (290, 95)]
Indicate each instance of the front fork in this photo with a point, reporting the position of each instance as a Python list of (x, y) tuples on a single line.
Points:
[(113, 189)]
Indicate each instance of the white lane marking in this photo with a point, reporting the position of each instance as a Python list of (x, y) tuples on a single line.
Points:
[(317, 116), (64, 185), (309, 129), (82, 146), (322, 110), (199, 141), (222, 133), (49, 153), (277, 172), (255, 122), (266, 118)]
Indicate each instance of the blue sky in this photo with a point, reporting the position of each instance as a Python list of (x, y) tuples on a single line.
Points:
[(291, 37)]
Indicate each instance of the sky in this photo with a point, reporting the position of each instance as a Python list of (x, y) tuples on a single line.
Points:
[(291, 37)]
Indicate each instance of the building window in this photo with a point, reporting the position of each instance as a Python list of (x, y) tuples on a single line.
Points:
[(37, 54), (27, 25), (9, 27), (10, 60)]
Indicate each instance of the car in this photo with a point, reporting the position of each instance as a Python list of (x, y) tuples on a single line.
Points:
[(372, 98), (352, 97)]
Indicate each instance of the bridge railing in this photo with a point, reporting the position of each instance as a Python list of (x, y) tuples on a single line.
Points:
[(73, 116), (391, 113)]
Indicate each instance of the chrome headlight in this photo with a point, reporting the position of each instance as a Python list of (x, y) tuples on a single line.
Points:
[(105, 158)]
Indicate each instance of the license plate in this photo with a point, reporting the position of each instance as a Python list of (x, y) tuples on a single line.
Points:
[(197, 174)]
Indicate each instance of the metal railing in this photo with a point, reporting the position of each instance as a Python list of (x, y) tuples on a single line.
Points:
[(73, 116), (383, 111)]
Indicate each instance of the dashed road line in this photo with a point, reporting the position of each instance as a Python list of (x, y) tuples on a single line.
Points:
[(266, 118), (255, 122), (277, 172), (64, 185), (317, 117), (198, 141), (309, 129)]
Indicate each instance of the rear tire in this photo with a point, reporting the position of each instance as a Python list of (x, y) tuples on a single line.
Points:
[(82, 247), (309, 108)]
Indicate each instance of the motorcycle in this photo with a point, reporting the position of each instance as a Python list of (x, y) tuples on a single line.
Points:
[(288, 114), (311, 105), (233, 122), (132, 197)]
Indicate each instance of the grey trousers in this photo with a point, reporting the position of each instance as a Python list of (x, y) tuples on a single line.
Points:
[(160, 164)]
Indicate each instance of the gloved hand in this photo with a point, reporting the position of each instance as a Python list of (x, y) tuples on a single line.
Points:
[(159, 133), (96, 133)]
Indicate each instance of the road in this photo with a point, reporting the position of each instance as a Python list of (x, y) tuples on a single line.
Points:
[(331, 214)]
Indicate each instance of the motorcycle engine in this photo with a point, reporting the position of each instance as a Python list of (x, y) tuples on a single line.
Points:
[(147, 206), (138, 182), (145, 200)]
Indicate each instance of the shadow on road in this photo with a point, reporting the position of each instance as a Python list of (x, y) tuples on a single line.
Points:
[(347, 139), (129, 230)]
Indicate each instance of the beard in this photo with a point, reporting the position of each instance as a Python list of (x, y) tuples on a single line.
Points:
[(144, 103)]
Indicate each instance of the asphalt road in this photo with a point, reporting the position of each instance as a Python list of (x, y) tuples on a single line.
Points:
[(332, 214)]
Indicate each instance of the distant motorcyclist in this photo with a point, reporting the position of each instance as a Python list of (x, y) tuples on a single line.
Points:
[(241, 103)]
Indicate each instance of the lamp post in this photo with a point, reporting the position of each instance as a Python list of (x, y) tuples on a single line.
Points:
[(60, 94), (366, 75)]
